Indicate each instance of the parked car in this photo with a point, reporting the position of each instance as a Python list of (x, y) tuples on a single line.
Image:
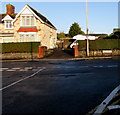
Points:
[(74, 43)]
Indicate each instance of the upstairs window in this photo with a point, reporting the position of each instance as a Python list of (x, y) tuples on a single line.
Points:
[(27, 21), (8, 24)]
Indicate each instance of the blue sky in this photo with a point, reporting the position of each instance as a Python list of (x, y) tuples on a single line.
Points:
[(102, 18)]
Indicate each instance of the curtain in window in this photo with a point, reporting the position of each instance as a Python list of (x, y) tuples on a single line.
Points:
[(27, 20), (27, 37)]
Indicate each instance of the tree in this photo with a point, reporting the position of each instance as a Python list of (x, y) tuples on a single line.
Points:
[(114, 35), (75, 30), (117, 33), (61, 35)]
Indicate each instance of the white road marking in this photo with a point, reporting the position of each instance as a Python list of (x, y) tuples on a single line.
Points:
[(100, 66), (28, 67), (14, 83), (113, 107), (11, 70), (23, 70), (102, 106), (112, 66), (67, 67), (15, 68), (4, 68), (95, 66)]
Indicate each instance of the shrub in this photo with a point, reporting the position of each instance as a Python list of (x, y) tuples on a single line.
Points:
[(20, 47), (100, 44)]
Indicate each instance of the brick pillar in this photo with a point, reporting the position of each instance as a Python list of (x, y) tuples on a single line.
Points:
[(76, 52), (41, 52)]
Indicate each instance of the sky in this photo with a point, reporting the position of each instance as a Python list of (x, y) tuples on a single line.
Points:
[(102, 16)]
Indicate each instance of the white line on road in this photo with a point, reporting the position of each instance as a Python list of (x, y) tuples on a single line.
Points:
[(28, 67), (4, 68), (23, 70), (11, 70), (102, 106), (14, 83), (109, 66), (15, 68), (112, 66)]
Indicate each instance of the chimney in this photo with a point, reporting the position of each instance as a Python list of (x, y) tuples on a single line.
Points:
[(9, 9)]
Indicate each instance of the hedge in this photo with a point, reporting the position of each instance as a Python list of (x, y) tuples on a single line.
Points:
[(100, 44), (23, 47)]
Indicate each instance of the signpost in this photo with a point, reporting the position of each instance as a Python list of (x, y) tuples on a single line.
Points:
[(87, 45)]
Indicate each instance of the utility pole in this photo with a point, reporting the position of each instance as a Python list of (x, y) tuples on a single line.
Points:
[(87, 29)]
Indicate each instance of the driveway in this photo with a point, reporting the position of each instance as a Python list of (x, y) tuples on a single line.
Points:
[(62, 54)]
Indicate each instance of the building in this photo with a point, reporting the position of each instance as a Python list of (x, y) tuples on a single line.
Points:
[(26, 26)]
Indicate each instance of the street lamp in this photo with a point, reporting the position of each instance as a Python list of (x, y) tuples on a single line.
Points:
[(87, 28)]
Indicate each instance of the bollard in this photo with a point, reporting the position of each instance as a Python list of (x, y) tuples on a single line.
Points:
[(76, 52)]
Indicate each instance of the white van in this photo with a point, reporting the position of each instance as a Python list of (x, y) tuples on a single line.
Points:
[(74, 43)]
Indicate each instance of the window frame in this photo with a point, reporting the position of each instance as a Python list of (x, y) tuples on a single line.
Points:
[(25, 39), (25, 23), (8, 24)]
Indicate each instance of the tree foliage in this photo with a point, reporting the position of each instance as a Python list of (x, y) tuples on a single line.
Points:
[(115, 35), (100, 44), (75, 30), (61, 35)]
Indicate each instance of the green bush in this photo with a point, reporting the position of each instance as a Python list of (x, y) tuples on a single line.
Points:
[(100, 44), (23, 47)]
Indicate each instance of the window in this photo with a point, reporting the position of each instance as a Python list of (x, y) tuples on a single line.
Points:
[(27, 21), (27, 37), (8, 24)]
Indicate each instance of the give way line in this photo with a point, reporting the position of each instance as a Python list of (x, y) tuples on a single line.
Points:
[(14, 83)]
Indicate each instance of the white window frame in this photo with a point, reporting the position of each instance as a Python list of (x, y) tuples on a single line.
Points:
[(5, 24), (28, 33), (25, 22)]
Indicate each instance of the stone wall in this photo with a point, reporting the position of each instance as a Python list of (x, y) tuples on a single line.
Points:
[(8, 56), (100, 53), (19, 55)]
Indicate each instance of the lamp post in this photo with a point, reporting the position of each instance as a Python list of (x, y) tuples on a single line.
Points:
[(87, 29)]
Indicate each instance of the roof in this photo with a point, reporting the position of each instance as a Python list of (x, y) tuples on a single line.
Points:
[(44, 19), (83, 37), (3, 15), (28, 29)]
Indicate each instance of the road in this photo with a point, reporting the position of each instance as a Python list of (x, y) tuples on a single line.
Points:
[(70, 87)]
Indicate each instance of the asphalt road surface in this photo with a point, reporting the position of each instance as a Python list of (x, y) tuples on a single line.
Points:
[(67, 87)]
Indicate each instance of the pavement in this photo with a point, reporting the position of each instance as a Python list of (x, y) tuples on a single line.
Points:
[(65, 54), (52, 59), (67, 87)]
